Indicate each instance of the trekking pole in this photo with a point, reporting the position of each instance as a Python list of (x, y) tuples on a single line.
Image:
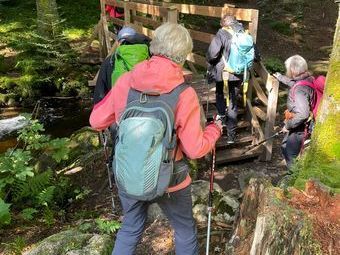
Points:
[(104, 140), (251, 147), (206, 80), (210, 202)]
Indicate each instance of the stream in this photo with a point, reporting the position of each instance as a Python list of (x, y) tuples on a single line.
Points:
[(60, 117)]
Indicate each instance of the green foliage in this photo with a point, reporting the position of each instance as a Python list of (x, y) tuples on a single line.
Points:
[(43, 61), (32, 187), (24, 186), (32, 137), (48, 216), (14, 166), (16, 247), (5, 216), (274, 65), (82, 193), (59, 149), (108, 226), (281, 27), (45, 197), (27, 213)]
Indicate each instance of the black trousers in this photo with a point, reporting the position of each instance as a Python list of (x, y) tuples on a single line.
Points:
[(234, 90), (291, 146)]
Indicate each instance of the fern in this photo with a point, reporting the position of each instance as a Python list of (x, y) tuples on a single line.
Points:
[(27, 213), (45, 197), (33, 186)]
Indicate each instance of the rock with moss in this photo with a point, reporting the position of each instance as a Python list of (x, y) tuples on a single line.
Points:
[(225, 205), (73, 242)]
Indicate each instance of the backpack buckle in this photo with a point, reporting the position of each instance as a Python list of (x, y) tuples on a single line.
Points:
[(143, 98)]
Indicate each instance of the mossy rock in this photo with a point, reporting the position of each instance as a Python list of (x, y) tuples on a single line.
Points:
[(82, 142), (73, 242)]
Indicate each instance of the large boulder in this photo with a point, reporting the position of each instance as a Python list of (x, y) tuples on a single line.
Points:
[(225, 204), (73, 242)]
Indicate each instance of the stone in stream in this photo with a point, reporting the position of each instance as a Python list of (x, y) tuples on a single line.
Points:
[(11, 125)]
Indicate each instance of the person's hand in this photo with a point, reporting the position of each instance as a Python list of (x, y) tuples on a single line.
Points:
[(284, 130), (218, 123), (277, 75)]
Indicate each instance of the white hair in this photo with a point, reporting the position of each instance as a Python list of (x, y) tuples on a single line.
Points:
[(172, 41), (296, 65)]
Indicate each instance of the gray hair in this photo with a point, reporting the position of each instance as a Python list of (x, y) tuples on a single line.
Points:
[(296, 65), (228, 20), (172, 41)]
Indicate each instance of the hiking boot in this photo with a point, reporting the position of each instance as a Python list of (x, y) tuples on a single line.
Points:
[(231, 138)]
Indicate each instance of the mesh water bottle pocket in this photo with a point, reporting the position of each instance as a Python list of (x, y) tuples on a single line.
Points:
[(164, 178)]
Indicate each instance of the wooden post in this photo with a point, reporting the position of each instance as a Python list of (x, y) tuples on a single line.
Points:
[(253, 24), (225, 7), (127, 13), (271, 115), (172, 14)]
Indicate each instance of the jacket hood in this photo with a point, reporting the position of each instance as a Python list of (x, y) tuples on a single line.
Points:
[(157, 74)]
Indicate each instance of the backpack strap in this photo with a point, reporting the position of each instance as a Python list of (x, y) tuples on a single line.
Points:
[(304, 83), (170, 98)]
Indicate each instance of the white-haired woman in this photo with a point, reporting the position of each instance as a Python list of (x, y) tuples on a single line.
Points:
[(299, 103), (162, 73)]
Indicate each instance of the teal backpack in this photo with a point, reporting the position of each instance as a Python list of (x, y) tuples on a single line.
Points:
[(241, 54), (146, 139)]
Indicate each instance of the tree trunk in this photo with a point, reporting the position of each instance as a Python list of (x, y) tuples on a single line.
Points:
[(272, 224), (321, 160), (48, 18)]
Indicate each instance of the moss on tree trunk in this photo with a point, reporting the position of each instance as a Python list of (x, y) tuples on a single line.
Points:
[(48, 18), (321, 160)]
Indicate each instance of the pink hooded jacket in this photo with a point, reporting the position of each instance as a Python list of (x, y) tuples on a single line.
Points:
[(162, 75)]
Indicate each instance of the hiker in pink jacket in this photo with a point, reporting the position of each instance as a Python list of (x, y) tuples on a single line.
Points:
[(163, 73)]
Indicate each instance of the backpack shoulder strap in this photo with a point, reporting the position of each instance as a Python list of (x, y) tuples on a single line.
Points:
[(301, 83), (170, 98)]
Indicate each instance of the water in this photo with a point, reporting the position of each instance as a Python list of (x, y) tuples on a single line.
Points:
[(60, 116)]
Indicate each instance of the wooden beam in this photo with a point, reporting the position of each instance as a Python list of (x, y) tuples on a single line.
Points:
[(231, 155), (254, 121), (197, 59), (261, 70), (127, 13), (146, 21), (201, 36), (260, 113), (259, 91), (140, 7), (254, 24), (106, 35), (117, 21), (271, 115), (172, 15)]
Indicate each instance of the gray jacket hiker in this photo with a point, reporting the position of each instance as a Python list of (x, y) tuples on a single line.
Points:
[(298, 107), (220, 45)]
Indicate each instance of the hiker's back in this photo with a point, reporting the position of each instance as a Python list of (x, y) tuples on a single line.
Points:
[(241, 54), (146, 140)]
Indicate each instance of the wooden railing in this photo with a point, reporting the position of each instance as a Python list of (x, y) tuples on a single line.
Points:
[(145, 17)]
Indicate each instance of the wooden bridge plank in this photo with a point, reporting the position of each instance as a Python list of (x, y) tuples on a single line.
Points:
[(232, 155)]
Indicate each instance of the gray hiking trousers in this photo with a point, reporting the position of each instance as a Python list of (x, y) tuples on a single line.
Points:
[(177, 206)]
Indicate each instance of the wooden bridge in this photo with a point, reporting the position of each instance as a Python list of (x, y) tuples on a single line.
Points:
[(257, 119)]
